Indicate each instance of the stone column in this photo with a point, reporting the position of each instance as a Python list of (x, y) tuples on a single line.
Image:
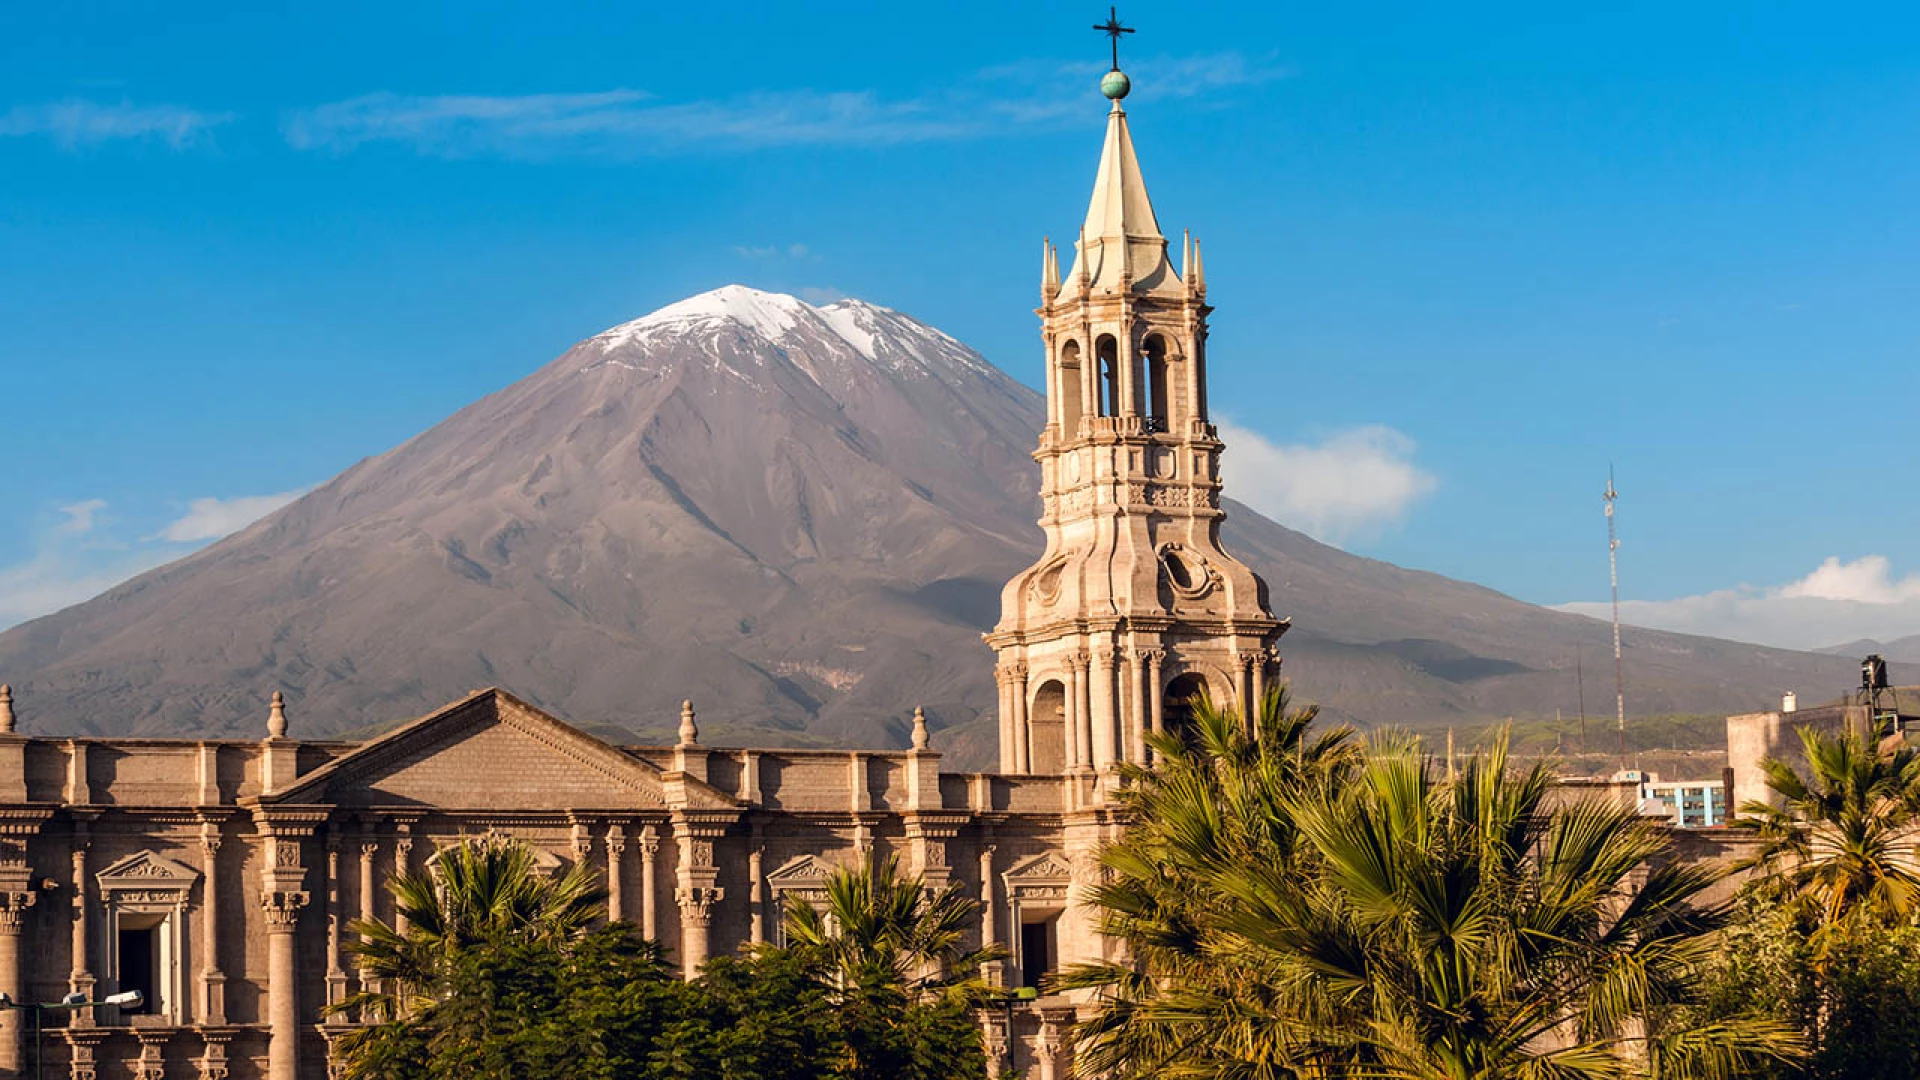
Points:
[(989, 932), (1003, 682), (1156, 691), (336, 915), (649, 890), (1136, 715), (282, 911), (281, 898), (1260, 660), (14, 902), (80, 980), (697, 890), (213, 981), (1070, 715), (1083, 703), (1022, 726), (756, 889), (1243, 688), (1047, 1046), (1103, 709), (402, 850), (616, 877)]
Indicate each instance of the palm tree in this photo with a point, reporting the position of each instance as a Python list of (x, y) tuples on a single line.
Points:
[(1387, 920), (892, 955), (880, 928), (479, 892), (1840, 841), (1215, 800)]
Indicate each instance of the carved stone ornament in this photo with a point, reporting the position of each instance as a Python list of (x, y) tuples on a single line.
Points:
[(283, 909), (1187, 573), (1039, 877), (696, 902), (13, 907), (146, 880)]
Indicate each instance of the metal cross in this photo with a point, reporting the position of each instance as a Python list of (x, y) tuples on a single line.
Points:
[(1113, 29)]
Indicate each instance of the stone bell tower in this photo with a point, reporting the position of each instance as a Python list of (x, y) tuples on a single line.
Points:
[(1135, 607)]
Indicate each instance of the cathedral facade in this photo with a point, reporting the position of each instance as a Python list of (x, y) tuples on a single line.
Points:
[(218, 877)]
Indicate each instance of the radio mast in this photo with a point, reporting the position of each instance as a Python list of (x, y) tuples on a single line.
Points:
[(1613, 573)]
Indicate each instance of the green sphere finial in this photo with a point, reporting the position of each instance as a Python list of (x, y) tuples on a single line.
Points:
[(1115, 84)]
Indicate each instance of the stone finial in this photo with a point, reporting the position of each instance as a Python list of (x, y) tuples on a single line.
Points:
[(6, 709), (277, 717), (919, 728), (689, 731)]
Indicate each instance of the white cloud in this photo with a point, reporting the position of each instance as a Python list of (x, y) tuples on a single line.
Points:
[(767, 252), (210, 518), (79, 517), (78, 557), (1349, 485), (75, 122), (628, 122), (1836, 603)]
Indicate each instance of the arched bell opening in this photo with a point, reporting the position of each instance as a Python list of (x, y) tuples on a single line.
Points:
[(1068, 387), (1047, 729), (1107, 351), (1183, 694), (1158, 380)]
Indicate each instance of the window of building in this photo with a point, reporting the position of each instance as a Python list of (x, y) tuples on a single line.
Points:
[(1039, 950), (139, 942)]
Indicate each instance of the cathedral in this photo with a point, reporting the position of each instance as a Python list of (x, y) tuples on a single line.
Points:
[(217, 877)]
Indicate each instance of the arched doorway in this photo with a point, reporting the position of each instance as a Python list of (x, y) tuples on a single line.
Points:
[(1176, 706), (1047, 729)]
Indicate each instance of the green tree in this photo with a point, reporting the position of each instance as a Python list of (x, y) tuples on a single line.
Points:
[(1853, 993), (1314, 917), (1840, 840), (480, 895), (1216, 800), (892, 957)]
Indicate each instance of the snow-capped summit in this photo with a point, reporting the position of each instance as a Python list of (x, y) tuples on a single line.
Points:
[(807, 336)]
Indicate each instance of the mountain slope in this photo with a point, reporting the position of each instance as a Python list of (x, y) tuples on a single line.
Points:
[(799, 517)]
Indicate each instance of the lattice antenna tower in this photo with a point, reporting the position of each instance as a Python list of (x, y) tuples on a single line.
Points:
[(1613, 574)]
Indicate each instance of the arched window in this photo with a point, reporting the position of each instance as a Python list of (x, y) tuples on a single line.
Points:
[(1157, 380), (1176, 708), (1047, 729), (1069, 389), (1108, 352)]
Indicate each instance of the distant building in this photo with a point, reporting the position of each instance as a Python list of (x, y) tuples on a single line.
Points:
[(1685, 804), (1754, 737)]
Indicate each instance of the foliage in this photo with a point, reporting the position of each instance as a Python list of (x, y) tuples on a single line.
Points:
[(1840, 840), (1304, 909), (891, 956), (498, 975), (1854, 993)]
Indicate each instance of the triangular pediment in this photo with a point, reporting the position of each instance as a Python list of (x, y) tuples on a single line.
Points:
[(488, 751), (804, 870), (147, 870), (1046, 866)]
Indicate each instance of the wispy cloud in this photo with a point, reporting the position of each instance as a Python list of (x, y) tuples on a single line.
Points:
[(84, 551), (210, 518), (1350, 485), (1838, 602), (76, 122), (628, 122), (774, 252), (76, 519)]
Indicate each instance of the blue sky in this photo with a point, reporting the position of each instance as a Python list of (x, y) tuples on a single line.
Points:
[(1464, 257)]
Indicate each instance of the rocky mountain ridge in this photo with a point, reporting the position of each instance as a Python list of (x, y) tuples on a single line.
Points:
[(798, 516)]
